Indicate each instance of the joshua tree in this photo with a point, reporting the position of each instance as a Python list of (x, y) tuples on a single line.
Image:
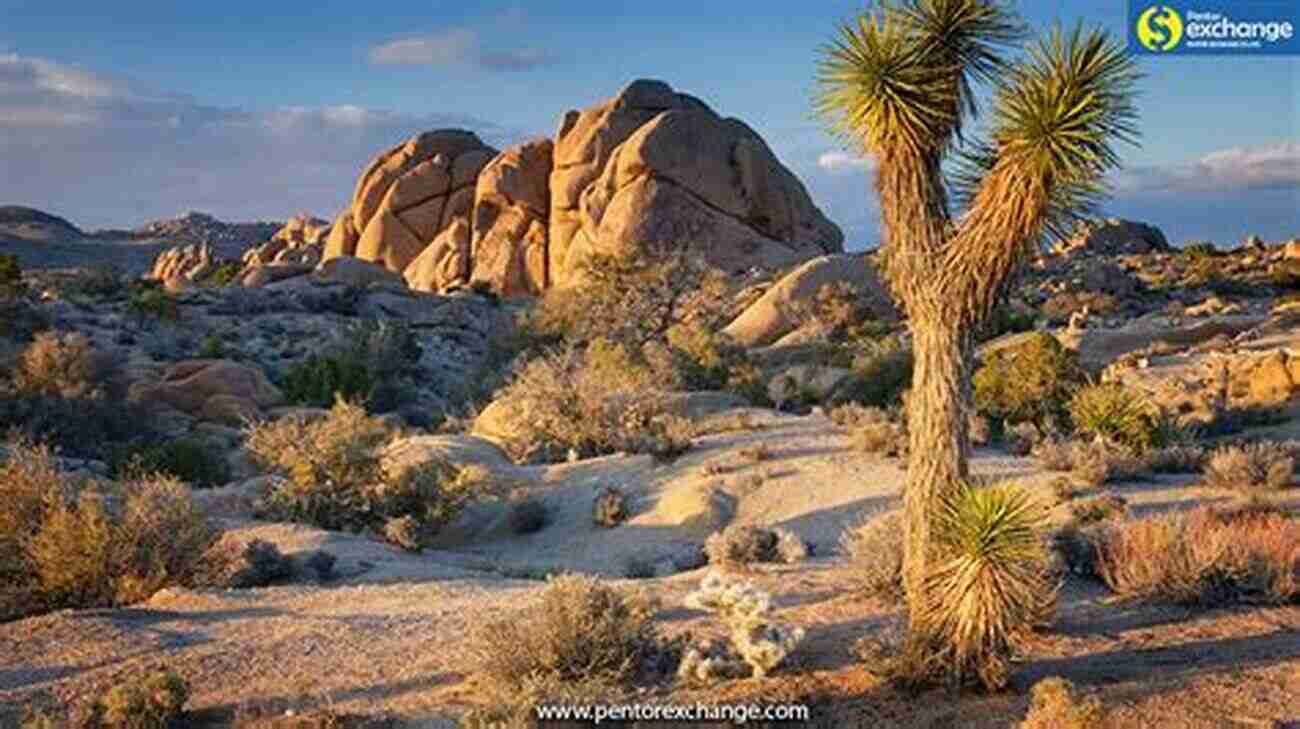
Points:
[(898, 83)]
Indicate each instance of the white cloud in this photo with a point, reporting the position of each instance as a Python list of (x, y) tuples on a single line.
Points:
[(1233, 169), (458, 47), (843, 161), (105, 152)]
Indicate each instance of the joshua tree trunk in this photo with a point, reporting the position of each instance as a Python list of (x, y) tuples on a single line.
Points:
[(938, 409)]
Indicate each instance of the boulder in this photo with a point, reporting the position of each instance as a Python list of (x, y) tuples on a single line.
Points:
[(511, 205), (258, 276), (445, 262), (189, 263), (218, 390), (459, 451), (808, 382), (1291, 251), (353, 271), (303, 230), (407, 196), (1117, 237), (655, 170), (775, 313)]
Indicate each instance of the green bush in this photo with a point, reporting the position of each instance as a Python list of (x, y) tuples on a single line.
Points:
[(882, 373), (189, 460), (1201, 249), (213, 347), (336, 480), (11, 277), (226, 273), (364, 366), (151, 701), (147, 300), (1006, 319), (81, 427), (1028, 382), (1116, 414)]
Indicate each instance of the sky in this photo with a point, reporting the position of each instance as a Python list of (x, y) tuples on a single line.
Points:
[(112, 114)]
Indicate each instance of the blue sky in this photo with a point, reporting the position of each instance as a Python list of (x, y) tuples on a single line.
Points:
[(114, 113)]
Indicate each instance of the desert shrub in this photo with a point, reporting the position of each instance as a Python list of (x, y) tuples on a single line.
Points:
[(1092, 463), (234, 564), (1285, 275), (213, 347), (66, 544), (756, 453), (150, 701), (527, 516), (741, 544), (1078, 547), (991, 584), (1006, 319), (225, 273), (882, 373), (580, 630), (877, 432), (609, 508), (1256, 467), (82, 427), (1103, 507), (1206, 557), (703, 359), (1029, 382), (1175, 459), (364, 365), (146, 300), (633, 301), (60, 364), (575, 400), (11, 277), (1115, 413), (20, 319), (1200, 249), (1055, 704), (874, 549), (191, 461), (758, 645), (335, 479)]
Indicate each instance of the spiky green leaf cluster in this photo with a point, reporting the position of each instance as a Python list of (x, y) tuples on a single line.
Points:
[(991, 582)]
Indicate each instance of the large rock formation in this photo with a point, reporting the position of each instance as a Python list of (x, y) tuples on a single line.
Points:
[(408, 196), (511, 205), (652, 169), (1117, 237), (778, 310)]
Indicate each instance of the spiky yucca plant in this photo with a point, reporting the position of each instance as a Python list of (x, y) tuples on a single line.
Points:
[(991, 581), (898, 83), (1112, 412)]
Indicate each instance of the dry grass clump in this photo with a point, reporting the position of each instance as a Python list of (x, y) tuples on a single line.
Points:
[(1091, 463), (1206, 557), (991, 586), (1175, 459), (1256, 467), (758, 645), (66, 543), (1055, 704), (875, 431), (1103, 507), (60, 364), (335, 480), (582, 639), (874, 548), (741, 544), (756, 453)]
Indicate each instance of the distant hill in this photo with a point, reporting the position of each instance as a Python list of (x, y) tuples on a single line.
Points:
[(34, 226), (196, 227)]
